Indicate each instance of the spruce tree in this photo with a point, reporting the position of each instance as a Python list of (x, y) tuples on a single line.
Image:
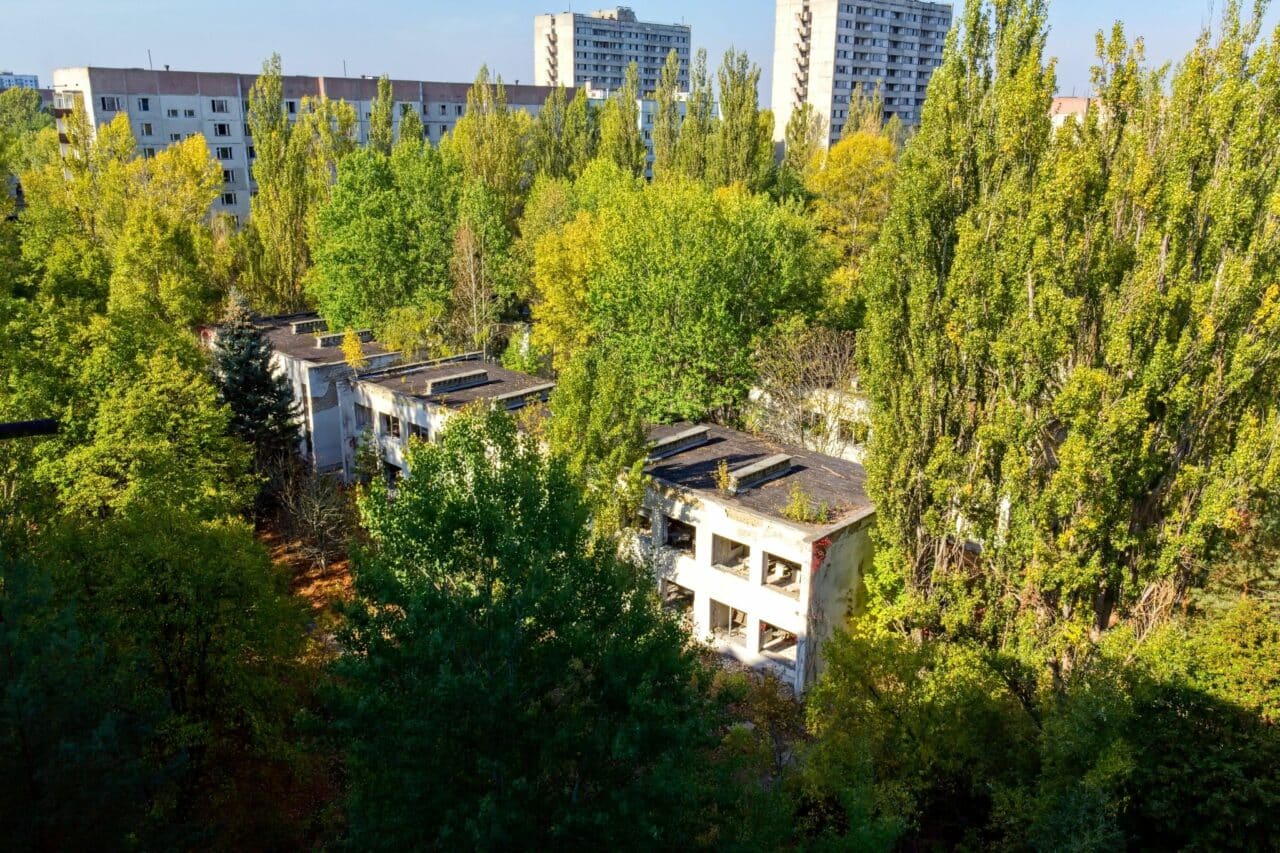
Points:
[(263, 411)]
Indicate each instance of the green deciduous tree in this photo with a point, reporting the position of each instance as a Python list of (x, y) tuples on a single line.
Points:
[(850, 185), (411, 129), (159, 437), (21, 118), (294, 167), (597, 429), (549, 142), (693, 148), (388, 221), (675, 283), (581, 133), (489, 143), (1061, 328), (72, 738), (362, 235), (806, 137), (493, 649), (382, 117), (666, 118), (1075, 387), (742, 145), (620, 139)]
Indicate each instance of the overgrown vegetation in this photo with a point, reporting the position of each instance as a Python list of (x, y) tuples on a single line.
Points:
[(1064, 340)]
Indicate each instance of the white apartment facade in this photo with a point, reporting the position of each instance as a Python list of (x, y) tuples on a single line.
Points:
[(594, 49), (9, 80), (167, 106), (757, 585), (824, 49)]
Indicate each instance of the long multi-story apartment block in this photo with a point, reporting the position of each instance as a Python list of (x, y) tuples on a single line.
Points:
[(575, 49), (824, 49), (166, 106)]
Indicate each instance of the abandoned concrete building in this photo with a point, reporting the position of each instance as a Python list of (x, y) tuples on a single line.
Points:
[(312, 359), (720, 524), (761, 546), (385, 400), (394, 404)]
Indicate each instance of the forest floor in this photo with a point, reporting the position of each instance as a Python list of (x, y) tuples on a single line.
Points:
[(323, 587)]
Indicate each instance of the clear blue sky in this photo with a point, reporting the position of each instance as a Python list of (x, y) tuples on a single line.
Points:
[(448, 40)]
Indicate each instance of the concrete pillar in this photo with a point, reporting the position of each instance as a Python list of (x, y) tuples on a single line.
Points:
[(753, 634), (755, 566)]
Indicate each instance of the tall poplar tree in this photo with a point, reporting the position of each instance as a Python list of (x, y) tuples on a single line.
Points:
[(581, 133), (411, 128), (693, 148), (1067, 339), (381, 118), (742, 146), (620, 140), (294, 167), (666, 119), (549, 144), (488, 142)]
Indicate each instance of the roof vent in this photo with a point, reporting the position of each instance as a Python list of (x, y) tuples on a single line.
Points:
[(679, 442), (335, 340), (523, 396), (741, 479), (457, 381), (307, 327)]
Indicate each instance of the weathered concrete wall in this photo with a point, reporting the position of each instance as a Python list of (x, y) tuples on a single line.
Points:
[(837, 588), (825, 595), (322, 392), (383, 401)]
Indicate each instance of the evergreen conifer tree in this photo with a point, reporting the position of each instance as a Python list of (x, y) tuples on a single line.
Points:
[(263, 411)]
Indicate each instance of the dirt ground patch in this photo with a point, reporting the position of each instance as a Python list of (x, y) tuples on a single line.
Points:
[(323, 585)]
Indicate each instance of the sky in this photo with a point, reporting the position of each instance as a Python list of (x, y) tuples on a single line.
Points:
[(448, 41)]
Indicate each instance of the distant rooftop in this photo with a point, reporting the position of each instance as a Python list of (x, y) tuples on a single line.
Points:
[(301, 336), (168, 81), (459, 381), (765, 473)]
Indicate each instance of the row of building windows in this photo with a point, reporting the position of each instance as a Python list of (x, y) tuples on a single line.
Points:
[(115, 103), (865, 27), (661, 38), (914, 17)]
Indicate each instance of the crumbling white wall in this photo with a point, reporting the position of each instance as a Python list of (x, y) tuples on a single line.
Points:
[(824, 597)]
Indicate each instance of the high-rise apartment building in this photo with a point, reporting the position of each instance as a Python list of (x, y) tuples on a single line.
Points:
[(9, 80), (167, 106), (575, 49), (823, 49)]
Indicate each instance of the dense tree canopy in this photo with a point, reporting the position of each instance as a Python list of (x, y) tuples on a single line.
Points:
[(1065, 338), (674, 282), (493, 649)]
